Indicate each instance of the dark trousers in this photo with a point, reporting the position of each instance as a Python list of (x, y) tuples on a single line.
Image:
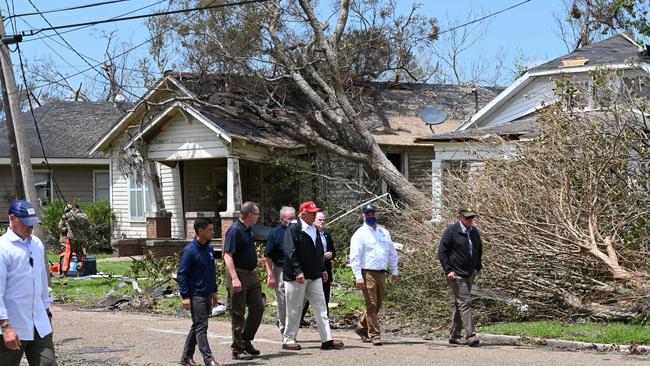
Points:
[(39, 352), (245, 327), (462, 316), (327, 286), (200, 307)]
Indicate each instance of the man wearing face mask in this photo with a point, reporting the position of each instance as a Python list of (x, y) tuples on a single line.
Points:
[(371, 252), (274, 261)]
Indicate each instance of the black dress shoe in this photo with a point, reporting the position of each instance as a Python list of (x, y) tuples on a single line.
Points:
[(333, 344), (241, 355), (213, 363), (188, 362), (248, 347), (304, 324)]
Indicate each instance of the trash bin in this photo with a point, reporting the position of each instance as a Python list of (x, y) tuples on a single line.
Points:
[(89, 266)]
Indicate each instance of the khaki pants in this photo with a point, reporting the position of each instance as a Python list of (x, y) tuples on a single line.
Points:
[(39, 352), (312, 290), (373, 294), (250, 296), (462, 317)]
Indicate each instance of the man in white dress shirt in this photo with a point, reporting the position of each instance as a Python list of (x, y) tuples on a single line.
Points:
[(24, 300), (371, 252)]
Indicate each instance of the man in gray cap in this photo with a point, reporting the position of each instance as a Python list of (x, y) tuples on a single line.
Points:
[(460, 254), (371, 252), (24, 299)]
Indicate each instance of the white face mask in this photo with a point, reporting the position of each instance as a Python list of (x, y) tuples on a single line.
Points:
[(293, 221)]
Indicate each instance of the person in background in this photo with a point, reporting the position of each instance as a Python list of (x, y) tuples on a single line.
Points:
[(25, 317), (197, 280), (274, 261)]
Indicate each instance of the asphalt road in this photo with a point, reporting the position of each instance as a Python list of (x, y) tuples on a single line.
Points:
[(118, 338)]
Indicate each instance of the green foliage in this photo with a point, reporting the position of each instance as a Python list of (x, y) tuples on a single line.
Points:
[(616, 333), (100, 220), (154, 267)]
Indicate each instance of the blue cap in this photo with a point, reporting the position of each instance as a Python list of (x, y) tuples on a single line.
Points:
[(369, 207), (25, 212)]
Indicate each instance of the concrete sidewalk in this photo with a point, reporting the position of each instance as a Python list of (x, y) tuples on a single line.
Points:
[(116, 338)]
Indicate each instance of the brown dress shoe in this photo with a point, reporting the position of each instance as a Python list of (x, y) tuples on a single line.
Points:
[(291, 346), (362, 334), (377, 341), (188, 362), (473, 341), (458, 341)]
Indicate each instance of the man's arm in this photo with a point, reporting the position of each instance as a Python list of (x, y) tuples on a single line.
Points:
[(230, 267), (480, 251), (393, 259), (290, 254), (184, 266), (443, 253), (330, 245), (8, 333), (270, 277)]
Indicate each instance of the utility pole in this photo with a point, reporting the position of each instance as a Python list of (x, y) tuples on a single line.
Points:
[(19, 189), (14, 117)]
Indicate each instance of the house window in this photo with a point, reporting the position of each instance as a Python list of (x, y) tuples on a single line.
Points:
[(101, 186), (43, 185), (138, 199)]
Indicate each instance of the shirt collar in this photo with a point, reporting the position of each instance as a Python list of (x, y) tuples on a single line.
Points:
[(14, 237), (463, 229), (371, 228), (305, 226)]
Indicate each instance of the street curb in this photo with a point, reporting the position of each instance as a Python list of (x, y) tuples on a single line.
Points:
[(506, 340)]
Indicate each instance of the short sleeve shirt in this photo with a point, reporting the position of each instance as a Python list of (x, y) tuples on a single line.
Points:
[(241, 245)]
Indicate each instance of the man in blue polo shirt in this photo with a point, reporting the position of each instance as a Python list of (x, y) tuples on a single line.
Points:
[(197, 280), (274, 261), (245, 289)]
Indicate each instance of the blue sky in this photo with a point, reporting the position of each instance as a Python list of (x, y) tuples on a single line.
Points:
[(528, 30)]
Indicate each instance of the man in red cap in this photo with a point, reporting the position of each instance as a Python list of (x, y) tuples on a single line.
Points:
[(304, 274)]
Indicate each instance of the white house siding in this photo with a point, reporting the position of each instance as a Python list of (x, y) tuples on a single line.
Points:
[(181, 139), (419, 167), (124, 227), (170, 179), (537, 93)]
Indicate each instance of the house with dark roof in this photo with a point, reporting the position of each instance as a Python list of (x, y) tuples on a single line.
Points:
[(208, 164), (68, 130), (511, 116)]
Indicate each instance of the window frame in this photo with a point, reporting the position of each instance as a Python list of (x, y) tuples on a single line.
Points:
[(108, 173)]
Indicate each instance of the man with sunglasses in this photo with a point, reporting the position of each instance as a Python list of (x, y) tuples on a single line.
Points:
[(24, 299), (460, 254)]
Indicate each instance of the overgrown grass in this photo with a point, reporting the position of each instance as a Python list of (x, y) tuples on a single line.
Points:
[(617, 333)]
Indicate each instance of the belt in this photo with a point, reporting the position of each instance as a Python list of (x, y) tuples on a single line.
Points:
[(245, 270), (375, 270)]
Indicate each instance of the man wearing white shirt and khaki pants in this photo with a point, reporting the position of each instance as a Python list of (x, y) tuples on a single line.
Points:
[(371, 252), (24, 299)]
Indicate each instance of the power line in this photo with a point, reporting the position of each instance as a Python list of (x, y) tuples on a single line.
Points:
[(483, 18), (31, 32), (86, 26), (83, 6)]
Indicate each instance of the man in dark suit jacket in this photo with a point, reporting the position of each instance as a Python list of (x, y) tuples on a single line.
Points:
[(304, 274), (460, 254), (328, 257)]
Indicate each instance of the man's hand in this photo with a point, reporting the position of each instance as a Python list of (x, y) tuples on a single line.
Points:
[(215, 299), (186, 304), (300, 278), (270, 280), (325, 277), (328, 256), (11, 338), (361, 284), (236, 285), (452, 276), (394, 278)]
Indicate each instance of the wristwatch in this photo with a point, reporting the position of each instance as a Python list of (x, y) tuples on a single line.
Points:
[(4, 324)]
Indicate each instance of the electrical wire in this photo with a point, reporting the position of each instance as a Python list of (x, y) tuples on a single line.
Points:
[(76, 7), (31, 32), (483, 17)]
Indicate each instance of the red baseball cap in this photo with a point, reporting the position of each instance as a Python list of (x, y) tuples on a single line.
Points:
[(308, 206)]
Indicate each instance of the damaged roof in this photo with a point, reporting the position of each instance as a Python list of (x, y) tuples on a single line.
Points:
[(521, 128), (68, 129)]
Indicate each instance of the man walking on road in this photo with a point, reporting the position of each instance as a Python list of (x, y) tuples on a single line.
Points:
[(245, 289), (274, 261), (24, 300), (197, 280), (304, 274), (371, 252), (460, 254)]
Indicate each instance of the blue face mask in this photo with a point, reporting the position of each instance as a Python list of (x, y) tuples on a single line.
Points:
[(371, 220)]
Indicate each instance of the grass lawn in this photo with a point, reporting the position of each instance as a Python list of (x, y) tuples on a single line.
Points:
[(617, 333), (122, 268)]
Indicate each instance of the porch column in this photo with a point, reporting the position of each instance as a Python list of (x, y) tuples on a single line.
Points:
[(233, 196), (436, 190)]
